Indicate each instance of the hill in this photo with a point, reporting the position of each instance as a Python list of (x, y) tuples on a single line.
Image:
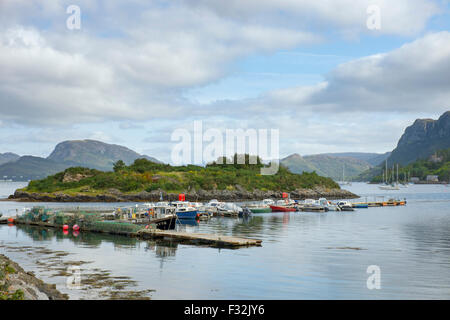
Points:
[(333, 164), (93, 154), (8, 157), (419, 141), (438, 164), (373, 159), (422, 139), (297, 164), (83, 153), (29, 167)]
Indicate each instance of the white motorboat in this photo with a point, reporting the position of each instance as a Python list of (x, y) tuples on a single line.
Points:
[(345, 206), (268, 202), (331, 206), (390, 187), (229, 209)]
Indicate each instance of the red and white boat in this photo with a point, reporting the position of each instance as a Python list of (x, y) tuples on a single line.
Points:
[(286, 205)]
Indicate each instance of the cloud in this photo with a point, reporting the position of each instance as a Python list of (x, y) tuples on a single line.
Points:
[(346, 17), (139, 69), (412, 78)]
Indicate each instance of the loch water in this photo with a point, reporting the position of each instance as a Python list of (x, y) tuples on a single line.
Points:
[(303, 255)]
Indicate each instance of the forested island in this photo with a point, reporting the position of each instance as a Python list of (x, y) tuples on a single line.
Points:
[(144, 180)]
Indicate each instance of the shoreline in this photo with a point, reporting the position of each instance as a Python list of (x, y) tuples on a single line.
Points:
[(201, 195), (24, 285)]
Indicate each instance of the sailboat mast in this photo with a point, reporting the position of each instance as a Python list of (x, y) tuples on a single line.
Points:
[(397, 173), (386, 173)]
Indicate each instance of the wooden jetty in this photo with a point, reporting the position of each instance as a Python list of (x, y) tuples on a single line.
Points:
[(387, 203), (199, 238), (219, 241)]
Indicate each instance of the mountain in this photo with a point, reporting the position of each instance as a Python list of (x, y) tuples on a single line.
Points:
[(333, 164), (297, 164), (77, 153), (94, 154), (373, 159), (29, 168), (8, 157), (336, 167), (422, 139)]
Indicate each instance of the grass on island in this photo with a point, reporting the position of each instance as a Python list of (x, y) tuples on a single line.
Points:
[(144, 175)]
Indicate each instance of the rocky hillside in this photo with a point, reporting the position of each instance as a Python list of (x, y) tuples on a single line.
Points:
[(8, 157), (82, 153), (94, 154), (29, 168), (422, 139)]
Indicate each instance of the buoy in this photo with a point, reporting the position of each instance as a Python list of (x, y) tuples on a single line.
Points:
[(76, 227), (146, 227), (11, 220), (65, 227)]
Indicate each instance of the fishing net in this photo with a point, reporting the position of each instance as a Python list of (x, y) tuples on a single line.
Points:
[(37, 214), (114, 227)]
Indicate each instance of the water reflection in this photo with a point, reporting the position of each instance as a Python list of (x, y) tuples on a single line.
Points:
[(303, 255)]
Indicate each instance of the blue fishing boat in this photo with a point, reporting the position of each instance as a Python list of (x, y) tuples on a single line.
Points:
[(360, 205), (184, 210)]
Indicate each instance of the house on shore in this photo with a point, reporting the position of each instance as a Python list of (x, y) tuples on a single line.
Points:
[(432, 178)]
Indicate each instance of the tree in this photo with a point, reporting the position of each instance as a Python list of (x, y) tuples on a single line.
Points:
[(118, 166)]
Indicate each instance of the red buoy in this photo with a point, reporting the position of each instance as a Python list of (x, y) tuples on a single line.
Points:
[(182, 197), (76, 227), (65, 227)]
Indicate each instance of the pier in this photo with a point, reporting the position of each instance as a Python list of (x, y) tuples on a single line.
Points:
[(199, 238), (213, 240)]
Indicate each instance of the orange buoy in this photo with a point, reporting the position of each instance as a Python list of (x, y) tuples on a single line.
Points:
[(11, 220)]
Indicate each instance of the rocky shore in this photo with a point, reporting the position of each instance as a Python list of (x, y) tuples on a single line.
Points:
[(17, 284), (236, 195)]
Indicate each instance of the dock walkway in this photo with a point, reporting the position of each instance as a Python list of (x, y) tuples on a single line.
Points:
[(200, 238)]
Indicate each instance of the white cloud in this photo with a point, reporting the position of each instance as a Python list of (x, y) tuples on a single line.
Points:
[(411, 78)]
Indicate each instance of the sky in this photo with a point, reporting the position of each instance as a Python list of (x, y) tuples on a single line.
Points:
[(135, 71)]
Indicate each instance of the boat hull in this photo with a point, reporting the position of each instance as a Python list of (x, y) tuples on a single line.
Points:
[(281, 209), (187, 214), (261, 210)]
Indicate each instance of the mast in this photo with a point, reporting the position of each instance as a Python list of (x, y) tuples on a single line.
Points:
[(397, 173), (386, 173), (343, 173)]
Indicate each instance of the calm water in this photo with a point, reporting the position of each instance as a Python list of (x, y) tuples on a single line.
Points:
[(303, 255)]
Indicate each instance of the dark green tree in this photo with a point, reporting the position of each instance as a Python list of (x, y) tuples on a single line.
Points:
[(118, 166)]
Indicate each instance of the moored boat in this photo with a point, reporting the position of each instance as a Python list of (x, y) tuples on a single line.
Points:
[(282, 209), (260, 209), (345, 206), (360, 205), (184, 211)]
